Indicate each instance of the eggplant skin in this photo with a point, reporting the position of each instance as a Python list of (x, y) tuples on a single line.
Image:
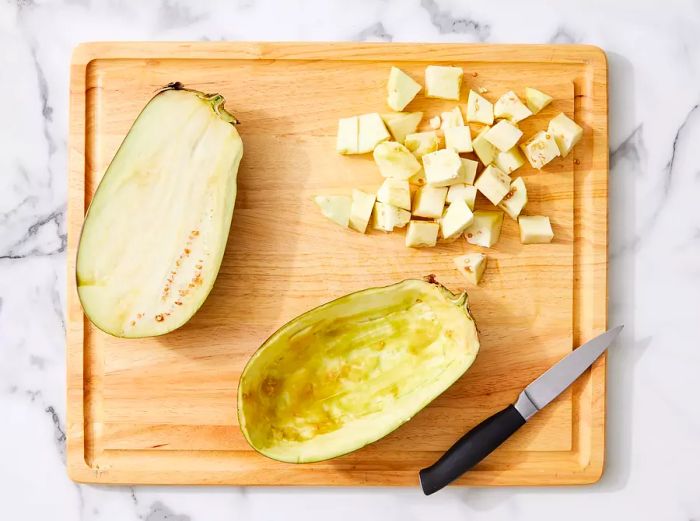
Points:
[(351, 371), (156, 230)]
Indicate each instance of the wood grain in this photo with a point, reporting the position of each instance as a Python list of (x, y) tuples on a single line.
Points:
[(163, 410)]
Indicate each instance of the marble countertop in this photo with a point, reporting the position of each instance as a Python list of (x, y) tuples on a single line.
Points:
[(653, 437)]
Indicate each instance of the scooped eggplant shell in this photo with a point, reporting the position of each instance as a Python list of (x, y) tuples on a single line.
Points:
[(353, 370)]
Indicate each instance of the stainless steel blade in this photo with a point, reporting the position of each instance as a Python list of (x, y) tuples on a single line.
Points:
[(561, 375)]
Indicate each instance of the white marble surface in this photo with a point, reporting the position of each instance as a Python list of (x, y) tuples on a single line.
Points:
[(654, 402)]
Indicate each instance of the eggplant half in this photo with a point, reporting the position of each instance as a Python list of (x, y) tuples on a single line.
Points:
[(156, 230), (351, 371)]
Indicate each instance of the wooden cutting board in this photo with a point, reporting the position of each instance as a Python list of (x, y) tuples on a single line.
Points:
[(163, 410)]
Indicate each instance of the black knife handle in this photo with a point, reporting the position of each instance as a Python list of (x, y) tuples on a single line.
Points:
[(471, 448)]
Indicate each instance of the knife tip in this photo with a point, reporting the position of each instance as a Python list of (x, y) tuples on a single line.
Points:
[(616, 330)]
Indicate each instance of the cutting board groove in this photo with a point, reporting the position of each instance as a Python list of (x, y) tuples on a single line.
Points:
[(162, 410)]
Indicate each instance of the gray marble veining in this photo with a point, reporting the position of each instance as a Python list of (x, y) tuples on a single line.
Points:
[(653, 417)]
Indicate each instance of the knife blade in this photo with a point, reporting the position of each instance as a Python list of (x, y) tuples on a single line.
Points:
[(483, 439)]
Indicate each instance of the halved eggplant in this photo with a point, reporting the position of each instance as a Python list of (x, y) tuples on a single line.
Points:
[(351, 371), (156, 230)]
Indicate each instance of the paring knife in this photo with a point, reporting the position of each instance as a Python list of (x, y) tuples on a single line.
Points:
[(483, 439)]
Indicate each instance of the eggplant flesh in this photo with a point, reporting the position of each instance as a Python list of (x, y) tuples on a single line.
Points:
[(351, 371), (156, 229)]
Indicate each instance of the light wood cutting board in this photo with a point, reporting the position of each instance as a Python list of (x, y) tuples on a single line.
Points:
[(163, 410)]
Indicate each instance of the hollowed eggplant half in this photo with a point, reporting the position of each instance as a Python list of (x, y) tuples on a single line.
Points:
[(351, 371)]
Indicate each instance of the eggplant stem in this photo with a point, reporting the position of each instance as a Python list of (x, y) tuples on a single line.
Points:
[(217, 105), (216, 101)]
